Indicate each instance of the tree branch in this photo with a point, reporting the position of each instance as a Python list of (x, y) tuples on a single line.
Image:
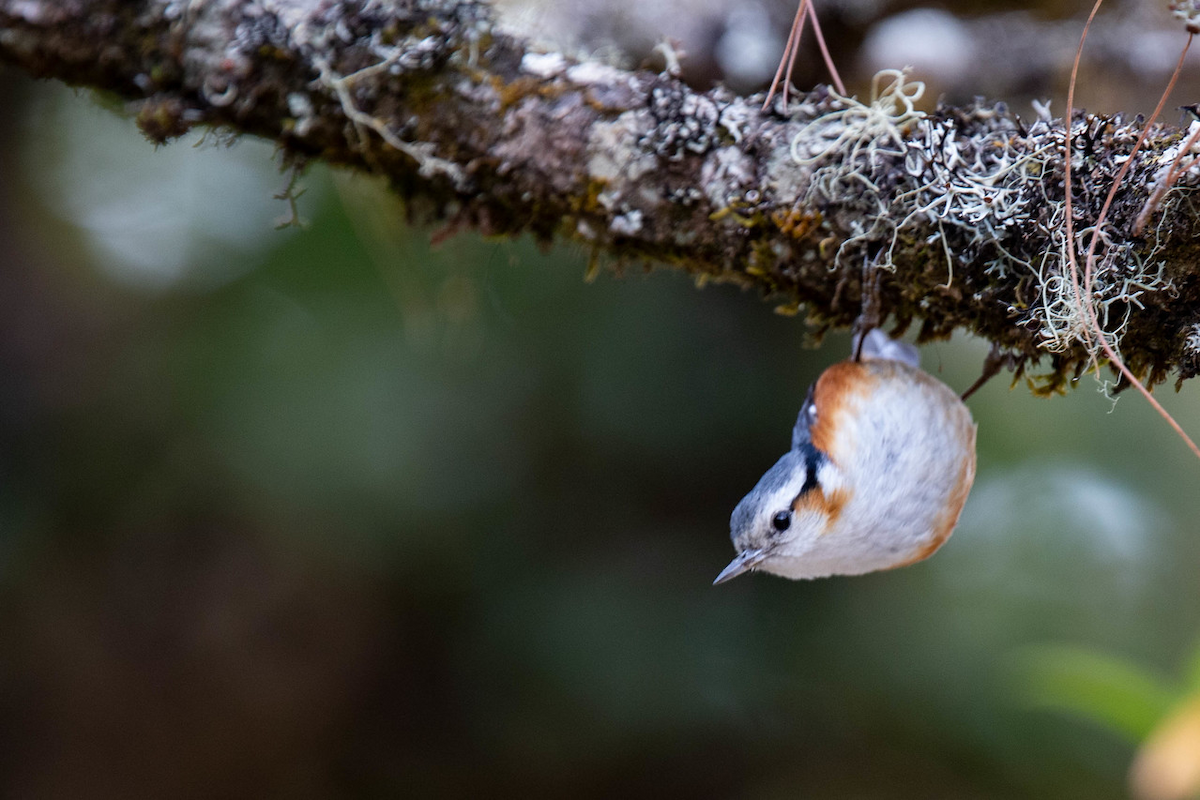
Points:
[(962, 208)]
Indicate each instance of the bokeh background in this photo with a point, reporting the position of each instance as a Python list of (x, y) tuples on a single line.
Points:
[(330, 512)]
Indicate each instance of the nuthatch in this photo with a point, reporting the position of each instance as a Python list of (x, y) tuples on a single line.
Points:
[(882, 459)]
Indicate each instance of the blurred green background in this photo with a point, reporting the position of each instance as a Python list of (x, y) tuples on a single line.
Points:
[(332, 513)]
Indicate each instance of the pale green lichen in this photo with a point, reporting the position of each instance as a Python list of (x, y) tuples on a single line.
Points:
[(975, 189)]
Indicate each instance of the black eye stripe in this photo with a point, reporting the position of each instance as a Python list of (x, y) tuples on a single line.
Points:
[(813, 458)]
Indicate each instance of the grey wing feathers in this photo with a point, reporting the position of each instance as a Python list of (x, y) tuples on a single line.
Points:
[(802, 433), (878, 344)]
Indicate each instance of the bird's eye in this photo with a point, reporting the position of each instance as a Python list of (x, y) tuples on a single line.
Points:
[(781, 521)]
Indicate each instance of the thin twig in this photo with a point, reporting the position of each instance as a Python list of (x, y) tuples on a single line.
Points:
[(1095, 329), (837, 79), (788, 59)]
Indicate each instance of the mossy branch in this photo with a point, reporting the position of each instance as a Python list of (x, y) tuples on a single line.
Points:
[(961, 210)]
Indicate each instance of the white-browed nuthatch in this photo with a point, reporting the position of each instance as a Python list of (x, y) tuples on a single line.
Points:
[(882, 459)]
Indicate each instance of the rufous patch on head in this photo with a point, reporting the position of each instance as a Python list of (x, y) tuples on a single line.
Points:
[(828, 505), (837, 387)]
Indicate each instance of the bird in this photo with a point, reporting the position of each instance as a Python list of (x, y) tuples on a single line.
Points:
[(881, 463)]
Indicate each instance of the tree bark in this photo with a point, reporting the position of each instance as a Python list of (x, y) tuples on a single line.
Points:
[(958, 215)]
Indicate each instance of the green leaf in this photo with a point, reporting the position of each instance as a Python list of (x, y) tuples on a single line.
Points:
[(1112, 692), (1192, 670)]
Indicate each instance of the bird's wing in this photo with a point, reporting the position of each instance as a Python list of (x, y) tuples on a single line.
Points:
[(878, 344), (802, 433)]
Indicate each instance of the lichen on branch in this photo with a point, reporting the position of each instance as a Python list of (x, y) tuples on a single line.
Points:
[(961, 211)]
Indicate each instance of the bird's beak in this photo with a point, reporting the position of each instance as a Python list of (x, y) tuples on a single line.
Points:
[(744, 562)]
